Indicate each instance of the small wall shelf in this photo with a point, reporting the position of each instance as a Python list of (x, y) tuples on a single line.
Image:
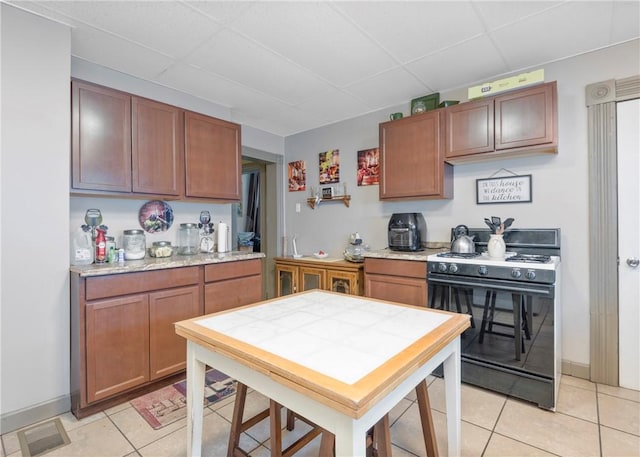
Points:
[(343, 198)]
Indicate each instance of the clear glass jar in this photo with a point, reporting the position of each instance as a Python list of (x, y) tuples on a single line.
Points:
[(188, 237), (161, 249), (134, 244)]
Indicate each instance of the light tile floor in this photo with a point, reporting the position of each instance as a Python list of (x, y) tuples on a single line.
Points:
[(591, 420)]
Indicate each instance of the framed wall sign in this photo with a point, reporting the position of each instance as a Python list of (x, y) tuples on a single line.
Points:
[(508, 189)]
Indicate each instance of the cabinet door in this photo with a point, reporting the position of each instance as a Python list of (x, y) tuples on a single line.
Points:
[(167, 350), (526, 117), (213, 158), (469, 128), (101, 138), (343, 282), (157, 148), (231, 293), (411, 157), (411, 291), (286, 280), (312, 278), (117, 333)]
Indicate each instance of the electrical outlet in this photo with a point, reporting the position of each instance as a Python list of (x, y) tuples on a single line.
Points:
[(297, 207)]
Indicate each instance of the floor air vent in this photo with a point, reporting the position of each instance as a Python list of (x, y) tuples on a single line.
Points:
[(42, 438)]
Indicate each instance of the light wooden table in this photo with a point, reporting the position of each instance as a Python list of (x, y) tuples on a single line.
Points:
[(342, 362)]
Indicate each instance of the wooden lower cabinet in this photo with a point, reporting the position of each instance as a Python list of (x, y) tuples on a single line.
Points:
[(123, 340), (117, 345), (402, 281), (232, 284), (299, 275), (167, 350)]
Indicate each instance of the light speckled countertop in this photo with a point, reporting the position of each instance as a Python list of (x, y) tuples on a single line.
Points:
[(153, 263), (420, 256)]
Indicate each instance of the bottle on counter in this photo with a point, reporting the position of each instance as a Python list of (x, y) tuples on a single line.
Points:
[(101, 246), (82, 251)]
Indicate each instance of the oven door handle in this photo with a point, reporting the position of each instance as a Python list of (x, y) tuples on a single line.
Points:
[(518, 289)]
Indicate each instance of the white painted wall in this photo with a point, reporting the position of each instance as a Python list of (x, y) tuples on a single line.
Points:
[(560, 186), (35, 211)]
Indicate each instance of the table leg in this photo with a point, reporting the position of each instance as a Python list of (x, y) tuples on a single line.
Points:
[(195, 401), (350, 442), (452, 379)]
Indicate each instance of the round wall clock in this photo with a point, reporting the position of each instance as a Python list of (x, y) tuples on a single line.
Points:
[(155, 216)]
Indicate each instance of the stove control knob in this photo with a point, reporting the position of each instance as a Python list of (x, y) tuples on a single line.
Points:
[(442, 267), (453, 268), (516, 273), (483, 270), (531, 275)]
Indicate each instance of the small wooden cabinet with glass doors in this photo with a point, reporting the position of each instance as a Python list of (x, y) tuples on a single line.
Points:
[(306, 273)]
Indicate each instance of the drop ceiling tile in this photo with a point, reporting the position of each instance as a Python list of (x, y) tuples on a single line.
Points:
[(317, 37), (334, 105), (285, 122), (169, 27), (116, 53), (409, 30), (389, 88), (258, 67), (201, 84), (497, 14), (626, 21), (567, 30), (472, 61), (224, 12)]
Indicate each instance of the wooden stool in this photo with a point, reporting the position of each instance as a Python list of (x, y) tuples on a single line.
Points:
[(378, 438)]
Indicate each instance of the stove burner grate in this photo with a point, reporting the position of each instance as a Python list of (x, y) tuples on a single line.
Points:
[(530, 258), (459, 255)]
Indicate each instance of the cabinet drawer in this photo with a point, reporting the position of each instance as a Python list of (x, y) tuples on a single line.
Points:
[(131, 283), (408, 268), (228, 270), (228, 294)]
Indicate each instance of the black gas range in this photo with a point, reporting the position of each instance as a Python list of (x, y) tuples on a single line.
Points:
[(513, 344)]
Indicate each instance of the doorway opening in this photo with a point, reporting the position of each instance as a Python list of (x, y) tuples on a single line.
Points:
[(256, 219)]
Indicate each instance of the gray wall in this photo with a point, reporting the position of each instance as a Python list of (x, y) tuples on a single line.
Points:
[(560, 187)]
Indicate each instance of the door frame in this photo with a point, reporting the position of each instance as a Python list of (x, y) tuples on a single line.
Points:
[(601, 99), (271, 213)]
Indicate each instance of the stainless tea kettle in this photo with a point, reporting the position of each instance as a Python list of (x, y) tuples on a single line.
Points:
[(462, 242)]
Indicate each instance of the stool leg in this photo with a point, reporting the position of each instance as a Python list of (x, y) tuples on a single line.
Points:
[(456, 297), (275, 426), (483, 325), (236, 420), (291, 420), (382, 437), (428, 430), (492, 310), (468, 294), (327, 444), (517, 324)]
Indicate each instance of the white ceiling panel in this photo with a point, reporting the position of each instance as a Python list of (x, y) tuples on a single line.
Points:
[(173, 28), (409, 30), (114, 52), (563, 31), (290, 66), (389, 88), (496, 14), (625, 24), (258, 67), (453, 68), (317, 37)]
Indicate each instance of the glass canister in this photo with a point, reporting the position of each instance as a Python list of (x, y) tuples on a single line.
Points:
[(188, 239), (134, 244)]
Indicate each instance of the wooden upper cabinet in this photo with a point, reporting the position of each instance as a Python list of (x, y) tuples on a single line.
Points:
[(412, 158), (157, 148), (101, 138), (469, 128), (526, 117), (212, 158), (517, 123)]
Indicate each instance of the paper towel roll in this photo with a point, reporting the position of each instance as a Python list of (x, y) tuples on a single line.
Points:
[(223, 236)]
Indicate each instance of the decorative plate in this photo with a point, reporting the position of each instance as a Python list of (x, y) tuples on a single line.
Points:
[(155, 216), (320, 255)]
